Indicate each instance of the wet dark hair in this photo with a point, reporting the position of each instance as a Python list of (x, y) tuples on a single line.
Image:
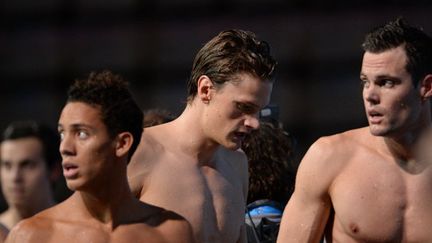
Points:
[(229, 53), (417, 45), (110, 93), (47, 136)]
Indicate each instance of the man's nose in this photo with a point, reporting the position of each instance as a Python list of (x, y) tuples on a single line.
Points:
[(252, 122), (66, 145), (16, 173), (371, 94)]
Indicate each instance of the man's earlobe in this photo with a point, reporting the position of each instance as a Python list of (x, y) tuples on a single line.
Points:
[(426, 87), (205, 87), (124, 143)]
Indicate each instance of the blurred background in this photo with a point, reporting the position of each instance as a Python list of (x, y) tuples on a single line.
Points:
[(45, 45)]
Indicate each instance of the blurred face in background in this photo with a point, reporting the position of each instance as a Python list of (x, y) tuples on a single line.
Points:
[(24, 174)]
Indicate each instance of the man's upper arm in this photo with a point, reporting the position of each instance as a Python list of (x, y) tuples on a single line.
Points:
[(307, 212)]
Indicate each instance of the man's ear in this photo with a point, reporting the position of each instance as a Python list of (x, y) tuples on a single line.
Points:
[(205, 89), (123, 143), (426, 87)]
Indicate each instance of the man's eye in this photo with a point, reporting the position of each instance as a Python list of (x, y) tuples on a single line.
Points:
[(61, 135), (364, 83), (388, 83), (245, 108), (82, 134), (6, 165)]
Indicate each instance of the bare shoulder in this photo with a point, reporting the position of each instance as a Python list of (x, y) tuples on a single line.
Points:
[(339, 145), (142, 161), (33, 229), (327, 156)]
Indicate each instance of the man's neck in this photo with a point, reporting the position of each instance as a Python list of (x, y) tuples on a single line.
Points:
[(105, 204), (404, 149), (192, 140)]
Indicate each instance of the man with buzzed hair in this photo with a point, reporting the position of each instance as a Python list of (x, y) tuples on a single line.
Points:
[(100, 127)]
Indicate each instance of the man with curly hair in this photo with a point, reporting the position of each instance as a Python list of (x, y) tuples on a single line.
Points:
[(270, 152), (100, 127)]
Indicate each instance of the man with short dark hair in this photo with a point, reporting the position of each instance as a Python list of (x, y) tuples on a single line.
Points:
[(100, 127), (30, 163), (369, 184)]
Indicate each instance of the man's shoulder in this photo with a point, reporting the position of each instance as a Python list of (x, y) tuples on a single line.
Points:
[(146, 153), (344, 140), (32, 229), (336, 150)]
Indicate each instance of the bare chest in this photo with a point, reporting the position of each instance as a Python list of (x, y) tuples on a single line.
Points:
[(211, 199), (382, 202), (90, 233)]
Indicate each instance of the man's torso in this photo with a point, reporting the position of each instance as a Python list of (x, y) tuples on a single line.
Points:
[(379, 199), (211, 198)]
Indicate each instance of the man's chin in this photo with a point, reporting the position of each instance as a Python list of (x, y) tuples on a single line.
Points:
[(233, 146), (377, 131)]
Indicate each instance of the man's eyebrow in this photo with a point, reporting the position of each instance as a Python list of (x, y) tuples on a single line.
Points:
[(76, 126), (249, 104)]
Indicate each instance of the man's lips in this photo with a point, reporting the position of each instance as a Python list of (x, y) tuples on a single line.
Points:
[(375, 116), (70, 170), (16, 190)]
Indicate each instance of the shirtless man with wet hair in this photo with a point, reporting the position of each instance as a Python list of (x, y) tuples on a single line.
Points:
[(192, 165), (100, 128), (369, 184)]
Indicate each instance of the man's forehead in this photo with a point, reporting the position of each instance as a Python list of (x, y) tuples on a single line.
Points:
[(28, 148), (79, 114)]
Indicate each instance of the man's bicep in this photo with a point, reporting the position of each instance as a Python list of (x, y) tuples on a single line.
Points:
[(303, 220), (306, 213)]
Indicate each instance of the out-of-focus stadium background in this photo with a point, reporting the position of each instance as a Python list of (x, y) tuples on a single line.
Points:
[(45, 45)]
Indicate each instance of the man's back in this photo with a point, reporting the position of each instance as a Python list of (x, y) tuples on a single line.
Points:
[(365, 192), (210, 196), (68, 222)]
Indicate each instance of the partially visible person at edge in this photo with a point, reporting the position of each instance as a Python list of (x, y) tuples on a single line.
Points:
[(100, 127), (157, 116), (270, 152), (192, 164), (30, 165), (368, 184)]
